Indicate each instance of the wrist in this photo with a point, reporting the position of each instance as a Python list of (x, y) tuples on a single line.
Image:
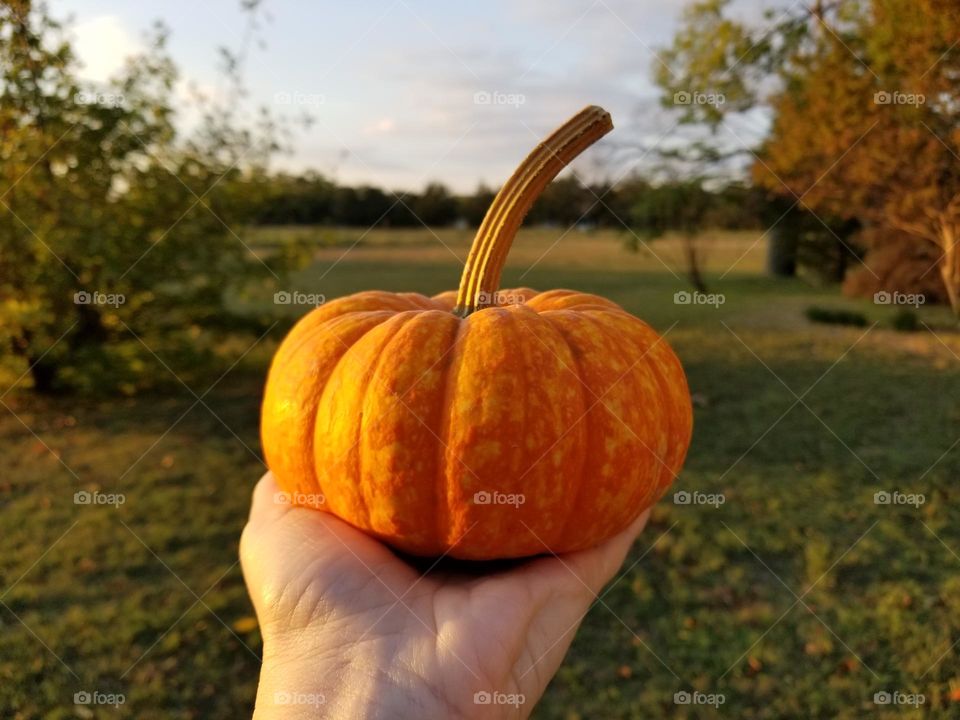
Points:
[(300, 682)]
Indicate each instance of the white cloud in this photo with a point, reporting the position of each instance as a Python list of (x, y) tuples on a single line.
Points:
[(102, 45)]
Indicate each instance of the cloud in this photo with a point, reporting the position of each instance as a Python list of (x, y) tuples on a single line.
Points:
[(102, 45)]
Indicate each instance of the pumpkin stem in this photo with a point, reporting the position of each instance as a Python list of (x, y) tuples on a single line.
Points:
[(481, 274)]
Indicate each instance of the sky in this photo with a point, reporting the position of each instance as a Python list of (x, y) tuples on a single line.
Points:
[(403, 92)]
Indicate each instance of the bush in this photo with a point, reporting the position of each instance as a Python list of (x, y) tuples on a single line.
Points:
[(905, 321), (831, 316)]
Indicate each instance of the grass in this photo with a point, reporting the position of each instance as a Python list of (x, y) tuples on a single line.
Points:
[(797, 597)]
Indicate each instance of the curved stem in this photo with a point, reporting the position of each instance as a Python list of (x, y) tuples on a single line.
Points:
[(481, 274)]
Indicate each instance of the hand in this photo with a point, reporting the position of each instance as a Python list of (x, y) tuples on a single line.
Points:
[(351, 630)]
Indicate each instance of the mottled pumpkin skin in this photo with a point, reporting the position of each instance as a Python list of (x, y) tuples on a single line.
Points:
[(392, 413)]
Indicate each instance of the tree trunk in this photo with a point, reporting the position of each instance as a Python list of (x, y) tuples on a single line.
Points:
[(840, 269), (692, 254), (42, 372), (44, 376), (950, 266)]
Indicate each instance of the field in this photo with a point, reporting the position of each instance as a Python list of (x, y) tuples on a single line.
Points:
[(799, 596)]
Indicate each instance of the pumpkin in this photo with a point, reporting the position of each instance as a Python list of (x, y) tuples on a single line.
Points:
[(481, 423)]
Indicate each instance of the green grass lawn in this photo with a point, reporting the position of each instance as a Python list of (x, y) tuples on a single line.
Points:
[(797, 597)]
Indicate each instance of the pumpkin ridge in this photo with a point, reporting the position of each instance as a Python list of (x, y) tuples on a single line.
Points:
[(370, 379), (442, 511), (516, 331), (278, 445), (553, 317), (664, 385), (644, 357), (327, 326), (575, 477)]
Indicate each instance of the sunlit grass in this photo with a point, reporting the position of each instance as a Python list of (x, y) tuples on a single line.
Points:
[(708, 606)]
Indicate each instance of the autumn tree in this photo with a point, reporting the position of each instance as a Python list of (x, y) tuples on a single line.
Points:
[(865, 132), (870, 130)]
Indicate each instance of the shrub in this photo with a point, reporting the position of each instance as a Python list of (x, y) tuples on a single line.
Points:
[(905, 321), (831, 316)]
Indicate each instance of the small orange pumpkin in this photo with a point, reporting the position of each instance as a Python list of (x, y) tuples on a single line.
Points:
[(480, 424)]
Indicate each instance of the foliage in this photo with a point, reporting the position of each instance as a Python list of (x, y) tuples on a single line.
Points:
[(880, 78), (885, 145), (687, 208), (832, 316), (905, 321), (116, 232)]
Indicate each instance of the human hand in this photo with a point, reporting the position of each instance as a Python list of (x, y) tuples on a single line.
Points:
[(352, 630)]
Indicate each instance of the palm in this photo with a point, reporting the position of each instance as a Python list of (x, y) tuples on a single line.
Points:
[(453, 630)]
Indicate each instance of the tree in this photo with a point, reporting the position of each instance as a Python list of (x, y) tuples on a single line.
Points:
[(435, 205), (885, 145), (111, 225), (866, 124), (718, 68), (685, 208), (474, 207)]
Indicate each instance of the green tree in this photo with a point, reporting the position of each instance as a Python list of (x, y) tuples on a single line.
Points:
[(685, 208), (114, 228), (435, 205)]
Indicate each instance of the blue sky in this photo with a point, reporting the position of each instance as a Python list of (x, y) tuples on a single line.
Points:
[(393, 84)]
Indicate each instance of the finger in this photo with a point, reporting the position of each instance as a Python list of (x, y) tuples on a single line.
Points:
[(597, 565), (588, 570), (267, 501), (280, 538)]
